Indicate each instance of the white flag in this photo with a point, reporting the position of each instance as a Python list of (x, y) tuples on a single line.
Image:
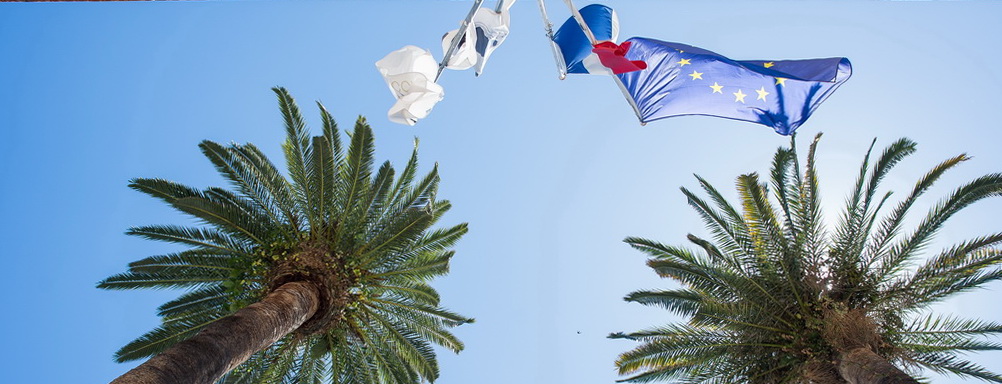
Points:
[(410, 73), (491, 28), (464, 56), (483, 35)]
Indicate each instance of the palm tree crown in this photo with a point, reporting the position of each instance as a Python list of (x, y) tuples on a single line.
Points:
[(363, 239), (774, 297)]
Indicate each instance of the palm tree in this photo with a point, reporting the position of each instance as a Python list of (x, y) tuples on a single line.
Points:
[(774, 297), (323, 277)]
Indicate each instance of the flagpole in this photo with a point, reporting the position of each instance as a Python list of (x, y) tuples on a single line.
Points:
[(459, 37), (584, 26), (557, 56), (591, 37)]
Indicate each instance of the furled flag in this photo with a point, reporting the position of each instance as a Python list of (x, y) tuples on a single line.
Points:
[(482, 36), (685, 80), (603, 58), (464, 55), (410, 73)]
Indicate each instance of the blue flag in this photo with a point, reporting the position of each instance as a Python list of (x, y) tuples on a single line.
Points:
[(685, 80), (574, 44)]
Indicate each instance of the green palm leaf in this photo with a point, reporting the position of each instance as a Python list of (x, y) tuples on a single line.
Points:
[(364, 241), (167, 334), (775, 297)]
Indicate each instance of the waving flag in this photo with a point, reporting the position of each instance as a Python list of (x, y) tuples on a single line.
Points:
[(486, 31), (574, 44), (410, 73), (613, 56), (604, 57), (685, 80), (464, 55)]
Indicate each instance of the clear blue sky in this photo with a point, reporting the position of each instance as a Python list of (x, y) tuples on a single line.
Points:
[(551, 175)]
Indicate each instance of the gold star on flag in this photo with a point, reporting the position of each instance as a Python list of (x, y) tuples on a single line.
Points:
[(769, 64), (683, 62), (761, 94), (780, 81), (739, 96), (696, 75), (717, 87)]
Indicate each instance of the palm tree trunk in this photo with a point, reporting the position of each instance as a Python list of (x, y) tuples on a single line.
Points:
[(863, 366), (229, 341)]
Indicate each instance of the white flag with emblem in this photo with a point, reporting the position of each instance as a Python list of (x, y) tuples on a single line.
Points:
[(410, 73)]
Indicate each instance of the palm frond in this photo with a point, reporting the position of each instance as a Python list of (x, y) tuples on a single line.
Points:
[(276, 184), (983, 187), (206, 298), (674, 351), (411, 290), (234, 168), (183, 266), (281, 365), (431, 328), (418, 196), (679, 301), (330, 168), (297, 151), (931, 293), (200, 238), (772, 246), (419, 268), (947, 363), (408, 346), (964, 266), (436, 313), (399, 236), (876, 249), (377, 199), (728, 226), (312, 368), (164, 278), (406, 178), (321, 188), (809, 215), (858, 217), (354, 182), (166, 335), (222, 209), (892, 155), (786, 190), (439, 239)]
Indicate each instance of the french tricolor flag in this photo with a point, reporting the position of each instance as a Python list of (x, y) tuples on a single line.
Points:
[(605, 57)]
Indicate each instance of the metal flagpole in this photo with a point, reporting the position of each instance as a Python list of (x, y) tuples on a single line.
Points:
[(591, 37), (581, 22), (557, 56), (459, 37)]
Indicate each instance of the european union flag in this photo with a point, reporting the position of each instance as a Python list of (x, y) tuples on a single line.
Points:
[(685, 80)]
